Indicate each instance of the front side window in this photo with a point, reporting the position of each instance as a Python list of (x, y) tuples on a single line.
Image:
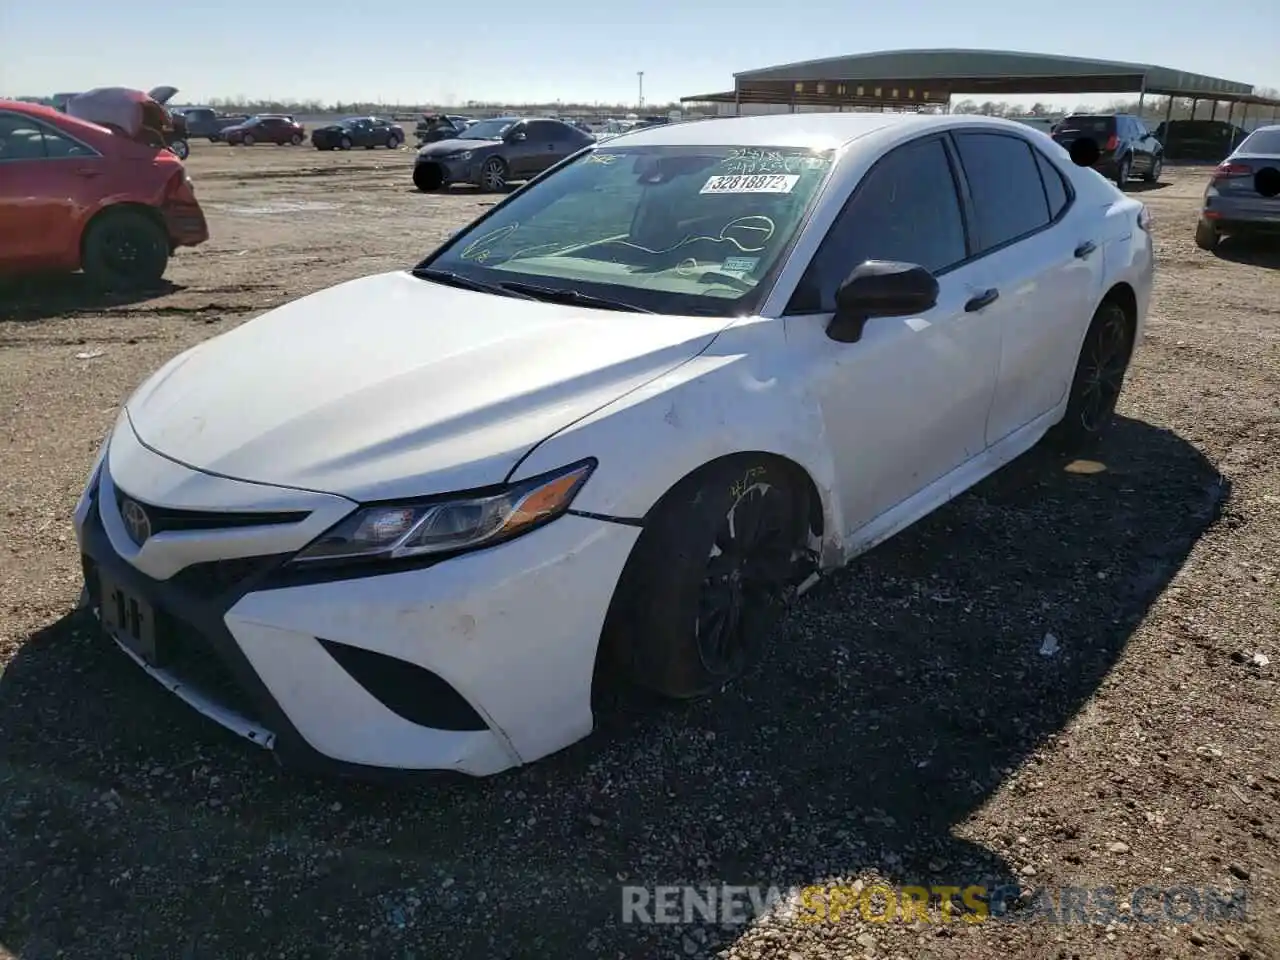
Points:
[(906, 208), (57, 145), (672, 229), (1004, 181)]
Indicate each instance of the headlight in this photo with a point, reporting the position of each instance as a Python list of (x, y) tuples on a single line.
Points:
[(461, 155), (392, 531)]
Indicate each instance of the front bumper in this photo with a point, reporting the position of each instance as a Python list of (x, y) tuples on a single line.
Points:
[(186, 224), (475, 664), (451, 170)]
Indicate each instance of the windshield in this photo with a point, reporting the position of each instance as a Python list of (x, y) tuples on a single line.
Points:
[(486, 130), (1088, 124), (1262, 141), (672, 229)]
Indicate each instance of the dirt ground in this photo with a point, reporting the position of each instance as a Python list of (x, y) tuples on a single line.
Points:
[(912, 724)]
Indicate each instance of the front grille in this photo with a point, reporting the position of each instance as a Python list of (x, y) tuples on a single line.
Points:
[(164, 519)]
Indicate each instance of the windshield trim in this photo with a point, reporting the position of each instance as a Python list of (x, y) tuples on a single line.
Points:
[(748, 305)]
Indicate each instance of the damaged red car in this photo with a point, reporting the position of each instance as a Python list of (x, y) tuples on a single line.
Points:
[(93, 189)]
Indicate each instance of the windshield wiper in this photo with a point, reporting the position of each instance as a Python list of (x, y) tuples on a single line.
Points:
[(569, 296), (452, 279)]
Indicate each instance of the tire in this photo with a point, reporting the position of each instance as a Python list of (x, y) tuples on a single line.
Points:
[(1207, 235), (247, 140), (711, 575), (1157, 168), (1099, 378), (428, 177), (124, 250), (393, 142), (1123, 169), (345, 143), (180, 149), (296, 139), (493, 175)]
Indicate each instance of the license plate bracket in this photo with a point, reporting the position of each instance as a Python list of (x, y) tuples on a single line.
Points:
[(129, 619)]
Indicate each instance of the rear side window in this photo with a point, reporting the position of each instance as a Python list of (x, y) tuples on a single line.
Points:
[(20, 138), (906, 208), (1262, 141), (1004, 181), (1055, 188)]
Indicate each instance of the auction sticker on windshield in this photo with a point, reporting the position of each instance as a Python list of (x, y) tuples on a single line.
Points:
[(759, 183)]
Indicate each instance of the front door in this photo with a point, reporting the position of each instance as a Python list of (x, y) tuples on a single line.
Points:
[(907, 404)]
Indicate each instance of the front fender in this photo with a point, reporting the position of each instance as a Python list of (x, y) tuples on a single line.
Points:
[(733, 398)]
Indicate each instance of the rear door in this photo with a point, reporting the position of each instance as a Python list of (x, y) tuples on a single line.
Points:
[(1037, 253), (549, 142), (48, 182)]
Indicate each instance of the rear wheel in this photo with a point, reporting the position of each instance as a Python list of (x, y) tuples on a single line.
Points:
[(248, 139), (125, 250), (345, 143), (1099, 378), (1157, 167), (1123, 169), (1207, 235), (708, 580)]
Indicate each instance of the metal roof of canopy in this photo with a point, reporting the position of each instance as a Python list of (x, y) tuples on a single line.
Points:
[(932, 76)]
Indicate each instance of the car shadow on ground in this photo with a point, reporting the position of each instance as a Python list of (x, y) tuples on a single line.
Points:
[(897, 698), (1250, 251), (1142, 186), (42, 297)]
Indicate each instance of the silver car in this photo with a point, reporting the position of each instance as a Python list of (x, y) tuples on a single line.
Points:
[(1244, 194)]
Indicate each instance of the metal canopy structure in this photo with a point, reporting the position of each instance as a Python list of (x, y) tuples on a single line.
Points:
[(908, 79)]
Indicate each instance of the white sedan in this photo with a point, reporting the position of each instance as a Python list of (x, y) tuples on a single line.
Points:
[(607, 432)]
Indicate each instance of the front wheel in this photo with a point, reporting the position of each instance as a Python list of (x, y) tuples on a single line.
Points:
[(1099, 378), (493, 175), (393, 142), (1157, 168), (248, 140), (125, 250), (296, 139), (708, 580), (345, 143), (180, 149)]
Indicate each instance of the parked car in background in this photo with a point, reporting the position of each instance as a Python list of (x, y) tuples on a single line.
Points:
[(440, 126), (208, 124), (77, 195), (1126, 147), (606, 433), (1204, 140), (1243, 195), (1044, 124), (366, 132), (265, 128), (493, 153)]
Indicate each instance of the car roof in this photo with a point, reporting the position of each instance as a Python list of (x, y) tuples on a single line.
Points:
[(794, 129), (32, 109)]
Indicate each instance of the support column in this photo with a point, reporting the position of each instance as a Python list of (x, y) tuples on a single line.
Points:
[(1213, 109), (1168, 125)]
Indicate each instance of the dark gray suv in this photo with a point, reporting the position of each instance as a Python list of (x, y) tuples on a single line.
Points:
[(492, 153)]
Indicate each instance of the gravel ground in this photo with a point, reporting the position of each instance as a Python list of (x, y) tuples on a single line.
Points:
[(1054, 681)]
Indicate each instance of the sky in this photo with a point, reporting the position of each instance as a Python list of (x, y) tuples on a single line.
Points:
[(408, 51)]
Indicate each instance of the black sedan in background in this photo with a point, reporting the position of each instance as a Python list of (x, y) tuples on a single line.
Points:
[(367, 132), (492, 153)]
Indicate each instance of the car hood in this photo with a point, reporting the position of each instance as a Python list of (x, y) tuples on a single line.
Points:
[(442, 147), (391, 386)]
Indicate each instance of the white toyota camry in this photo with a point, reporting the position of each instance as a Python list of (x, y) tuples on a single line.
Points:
[(606, 432)]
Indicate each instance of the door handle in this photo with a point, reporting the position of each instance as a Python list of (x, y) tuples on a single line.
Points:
[(1085, 249), (88, 172), (984, 299)]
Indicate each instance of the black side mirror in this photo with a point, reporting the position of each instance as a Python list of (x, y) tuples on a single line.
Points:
[(880, 288)]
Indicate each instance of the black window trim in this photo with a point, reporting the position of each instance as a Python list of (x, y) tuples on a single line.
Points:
[(1071, 193), (45, 128), (958, 183)]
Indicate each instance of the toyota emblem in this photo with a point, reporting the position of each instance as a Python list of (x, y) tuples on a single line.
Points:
[(136, 521)]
